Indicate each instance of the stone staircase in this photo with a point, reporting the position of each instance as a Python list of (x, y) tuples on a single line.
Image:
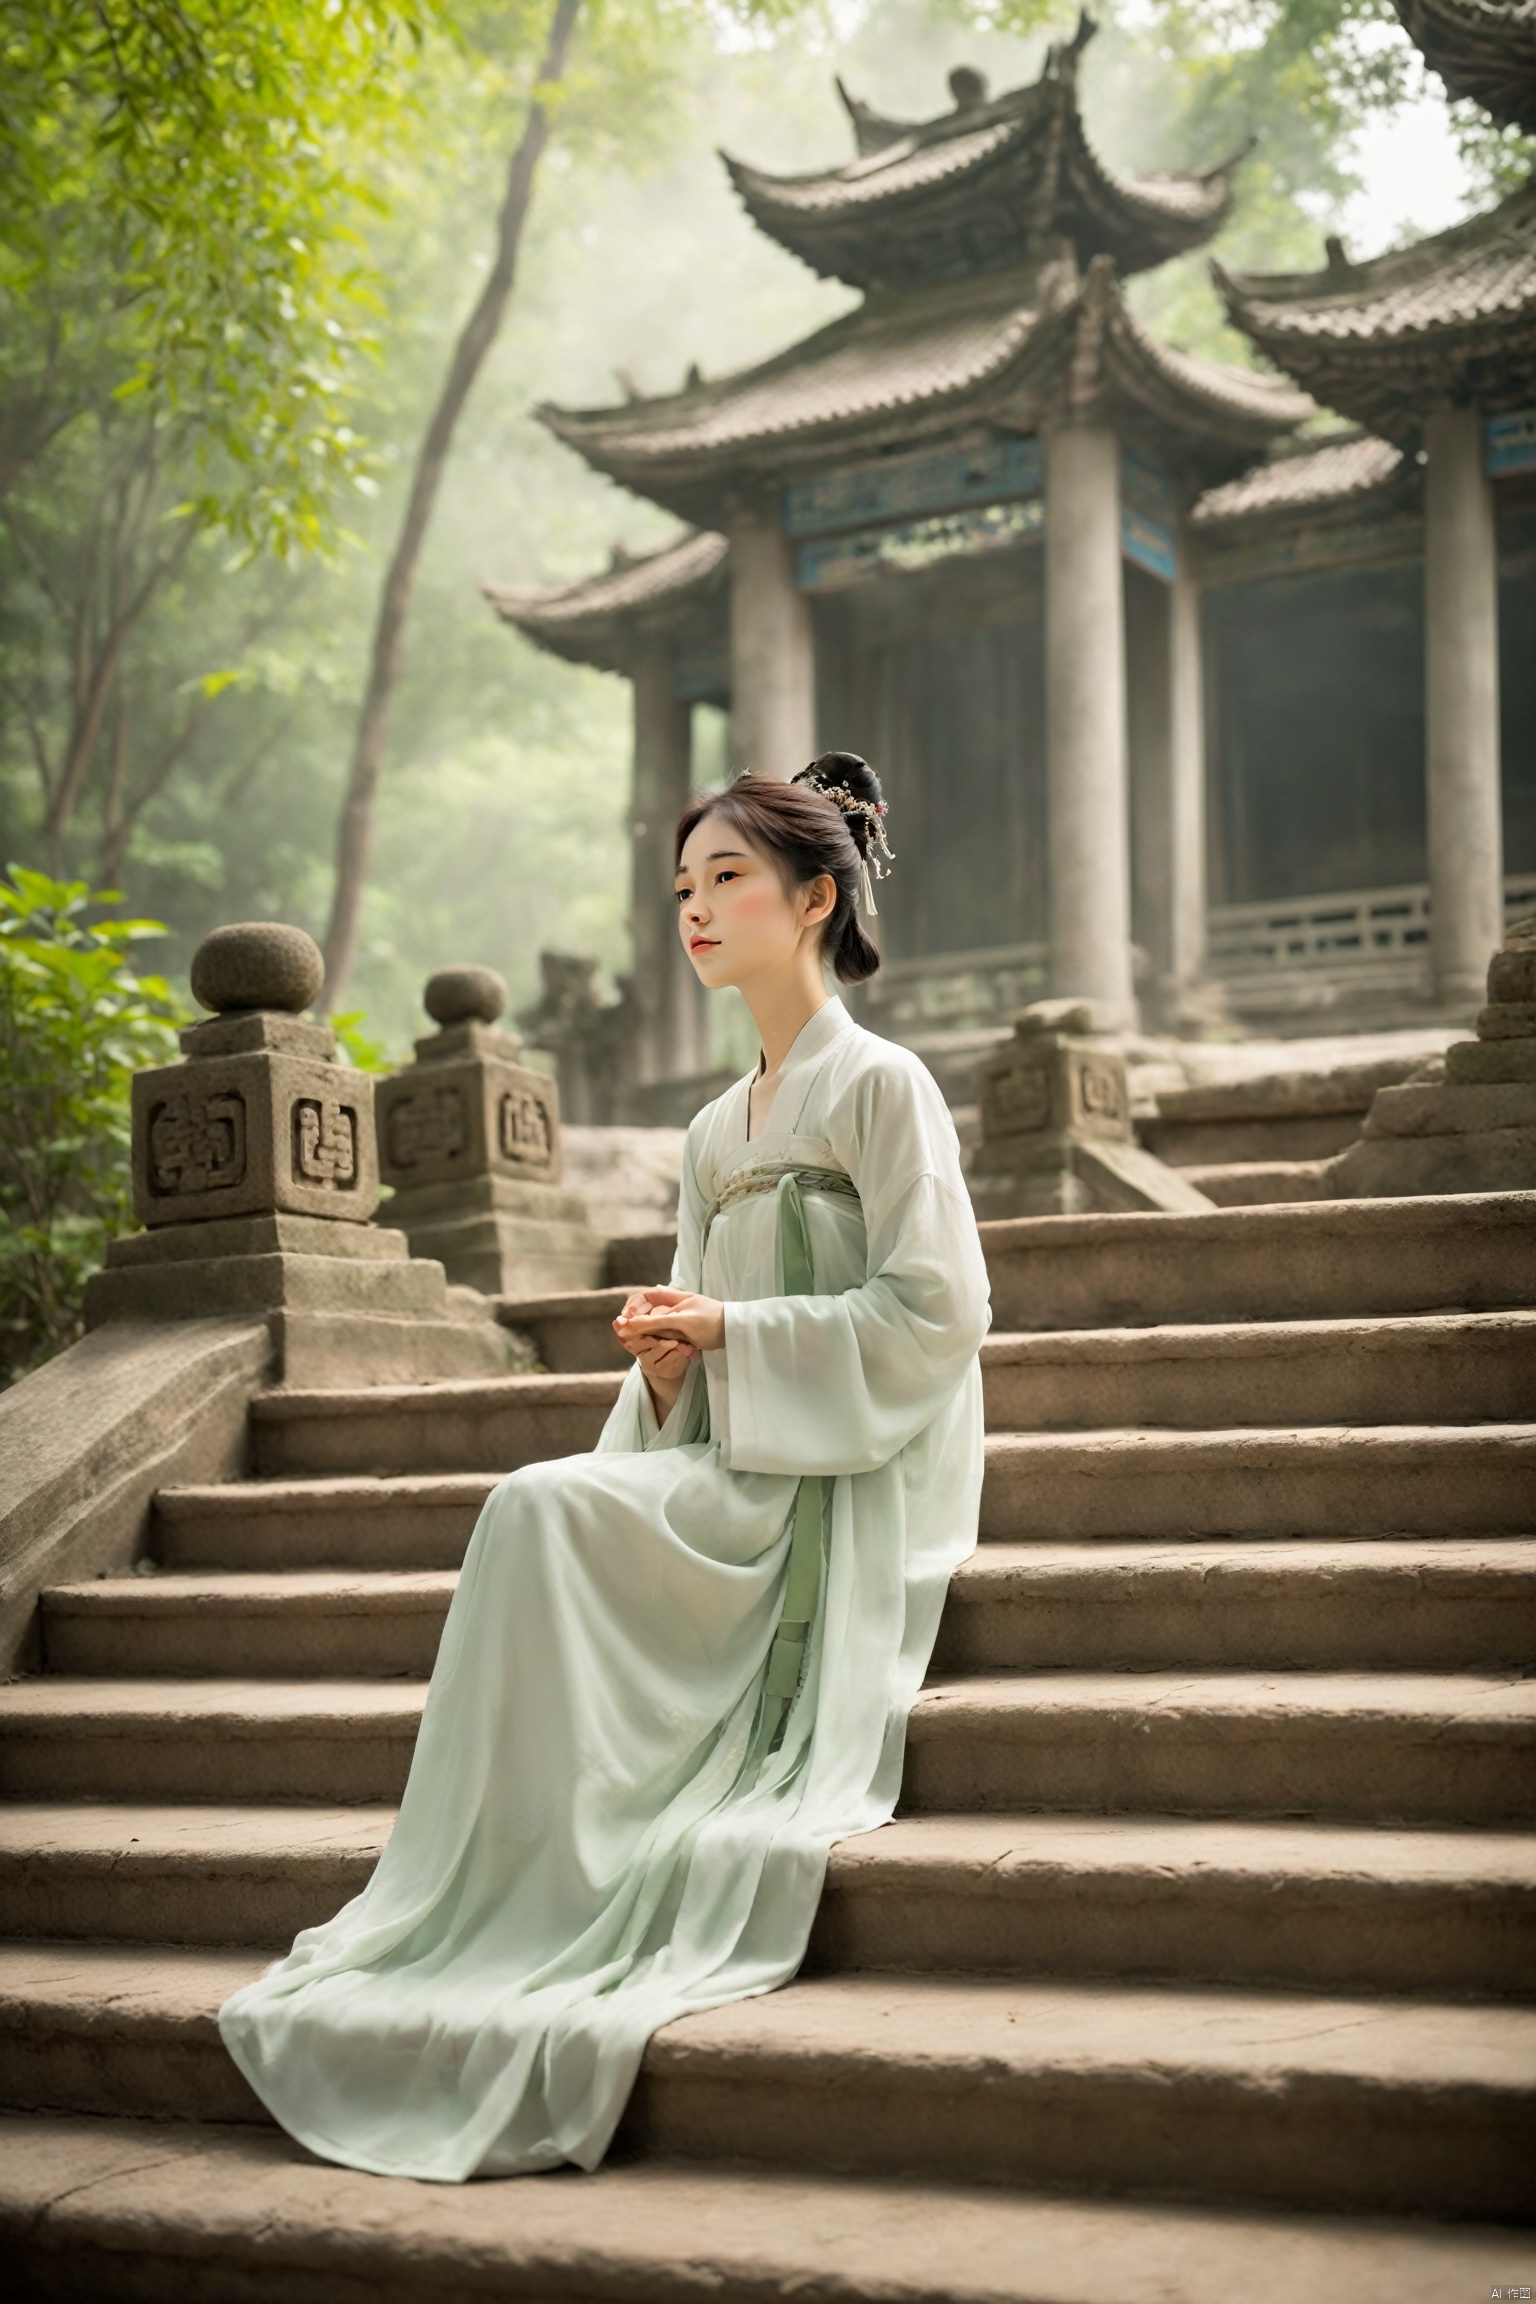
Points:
[(1197, 1964)]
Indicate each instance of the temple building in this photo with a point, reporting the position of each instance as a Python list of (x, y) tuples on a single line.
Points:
[(1136, 640)]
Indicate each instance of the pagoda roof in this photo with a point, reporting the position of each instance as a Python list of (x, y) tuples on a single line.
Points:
[(1337, 473), (901, 370), (601, 619), (1485, 49), (1452, 318), (995, 183)]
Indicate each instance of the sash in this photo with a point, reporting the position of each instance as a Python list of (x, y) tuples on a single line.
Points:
[(802, 1588)]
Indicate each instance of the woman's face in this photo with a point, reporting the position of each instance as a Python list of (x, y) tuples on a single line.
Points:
[(736, 918)]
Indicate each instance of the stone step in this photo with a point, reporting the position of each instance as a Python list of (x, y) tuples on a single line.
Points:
[(1320, 1907), (1316, 2102), (1260, 1183), (1457, 1368), (1340, 1480), (1447, 1368), (1427, 1604), (1311, 1905), (492, 1426), (290, 1625), (1323, 1260), (1386, 2105), (360, 1521), (182, 1875), (1400, 1747), (151, 2213), (220, 1740), (1391, 1747)]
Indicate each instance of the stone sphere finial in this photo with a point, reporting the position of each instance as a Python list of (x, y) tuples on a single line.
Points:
[(465, 996), (257, 964)]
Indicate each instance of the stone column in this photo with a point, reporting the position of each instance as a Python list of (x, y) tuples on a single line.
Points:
[(773, 655), (1089, 845), (668, 998), (1461, 706), (1167, 745)]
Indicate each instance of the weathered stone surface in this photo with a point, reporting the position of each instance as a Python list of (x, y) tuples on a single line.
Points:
[(440, 1121), (1451, 1108), (181, 2214), (1514, 1022), (257, 964), (1472, 1060), (1512, 974), (87, 1439), (469, 1139), (458, 995), (1056, 1135), (248, 1135), (245, 1033), (1467, 1122)]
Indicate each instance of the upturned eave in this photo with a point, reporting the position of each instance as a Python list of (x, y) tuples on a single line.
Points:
[(988, 186), (605, 620), (1452, 318), (1482, 49)]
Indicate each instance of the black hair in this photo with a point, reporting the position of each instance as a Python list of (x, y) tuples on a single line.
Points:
[(829, 818)]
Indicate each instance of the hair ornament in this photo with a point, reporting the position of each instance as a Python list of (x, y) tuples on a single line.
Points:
[(875, 856)]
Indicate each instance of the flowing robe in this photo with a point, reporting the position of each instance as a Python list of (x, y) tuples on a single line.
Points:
[(593, 1840)]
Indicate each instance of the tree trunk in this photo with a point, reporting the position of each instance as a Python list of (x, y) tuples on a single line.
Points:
[(354, 832)]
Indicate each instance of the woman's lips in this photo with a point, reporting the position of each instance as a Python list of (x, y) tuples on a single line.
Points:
[(703, 943)]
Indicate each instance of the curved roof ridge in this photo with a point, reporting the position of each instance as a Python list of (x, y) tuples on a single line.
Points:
[(993, 182), (1483, 49)]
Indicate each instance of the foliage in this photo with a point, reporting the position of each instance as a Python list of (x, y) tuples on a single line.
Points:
[(180, 226), (77, 1019)]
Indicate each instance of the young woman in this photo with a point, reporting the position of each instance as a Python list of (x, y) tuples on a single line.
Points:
[(675, 1671)]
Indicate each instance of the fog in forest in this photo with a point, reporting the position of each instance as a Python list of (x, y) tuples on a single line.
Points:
[(501, 823)]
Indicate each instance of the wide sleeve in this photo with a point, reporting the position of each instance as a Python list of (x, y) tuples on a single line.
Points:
[(841, 1384), (632, 1424)]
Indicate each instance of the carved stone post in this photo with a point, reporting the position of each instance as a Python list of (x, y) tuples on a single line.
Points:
[(1056, 1134), (256, 1177), (470, 1141)]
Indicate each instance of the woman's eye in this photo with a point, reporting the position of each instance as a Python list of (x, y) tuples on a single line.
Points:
[(683, 895)]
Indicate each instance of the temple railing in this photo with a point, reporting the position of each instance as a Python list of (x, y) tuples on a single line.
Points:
[(979, 991), (1368, 946), (1361, 944)]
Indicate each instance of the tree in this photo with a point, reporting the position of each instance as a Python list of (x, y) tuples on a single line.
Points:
[(76, 1021), (180, 214), (355, 830)]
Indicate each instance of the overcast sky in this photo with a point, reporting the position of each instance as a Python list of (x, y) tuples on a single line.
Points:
[(1413, 178)]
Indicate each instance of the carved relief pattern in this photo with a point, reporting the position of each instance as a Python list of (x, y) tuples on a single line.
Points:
[(1101, 1091), (426, 1128), (196, 1144), (524, 1130), (325, 1143), (1019, 1099)]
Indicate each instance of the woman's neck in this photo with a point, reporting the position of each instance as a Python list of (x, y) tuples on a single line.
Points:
[(782, 1009)]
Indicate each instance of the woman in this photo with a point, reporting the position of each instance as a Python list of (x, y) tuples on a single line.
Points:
[(675, 1671)]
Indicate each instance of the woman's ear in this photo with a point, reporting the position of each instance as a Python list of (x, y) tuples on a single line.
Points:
[(819, 900)]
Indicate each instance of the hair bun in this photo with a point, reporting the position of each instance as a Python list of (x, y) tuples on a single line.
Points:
[(852, 786)]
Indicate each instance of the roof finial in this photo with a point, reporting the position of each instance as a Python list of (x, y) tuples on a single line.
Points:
[(968, 88)]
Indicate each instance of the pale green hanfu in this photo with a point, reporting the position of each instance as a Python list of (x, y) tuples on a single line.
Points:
[(632, 1763)]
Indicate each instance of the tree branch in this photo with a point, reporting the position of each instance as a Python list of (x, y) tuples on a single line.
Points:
[(354, 832)]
